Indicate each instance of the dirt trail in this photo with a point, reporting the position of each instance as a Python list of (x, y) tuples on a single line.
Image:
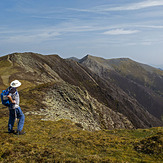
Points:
[(6, 72)]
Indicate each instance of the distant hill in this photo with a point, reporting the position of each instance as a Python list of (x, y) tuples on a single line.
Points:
[(73, 58), (94, 93)]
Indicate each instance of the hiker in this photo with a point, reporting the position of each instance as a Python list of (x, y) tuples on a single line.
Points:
[(14, 109)]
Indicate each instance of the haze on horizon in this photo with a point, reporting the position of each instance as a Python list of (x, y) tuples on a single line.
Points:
[(75, 28)]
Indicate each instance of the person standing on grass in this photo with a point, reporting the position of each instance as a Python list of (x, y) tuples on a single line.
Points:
[(15, 111)]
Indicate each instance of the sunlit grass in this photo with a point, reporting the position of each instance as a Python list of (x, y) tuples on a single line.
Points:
[(47, 141)]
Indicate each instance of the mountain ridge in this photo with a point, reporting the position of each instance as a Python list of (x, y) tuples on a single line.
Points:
[(35, 71), (115, 61), (133, 78)]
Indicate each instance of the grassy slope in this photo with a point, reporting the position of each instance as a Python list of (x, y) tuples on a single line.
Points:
[(143, 74), (63, 141)]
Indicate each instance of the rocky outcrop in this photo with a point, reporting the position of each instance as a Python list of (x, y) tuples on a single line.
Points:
[(65, 101)]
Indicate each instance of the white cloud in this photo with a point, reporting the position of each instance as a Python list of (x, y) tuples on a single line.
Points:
[(151, 26), (126, 7), (137, 6), (29, 36), (120, 32), (146, 43)]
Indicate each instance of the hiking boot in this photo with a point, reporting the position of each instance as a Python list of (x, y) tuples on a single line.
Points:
[(11, 131), (20, 133)]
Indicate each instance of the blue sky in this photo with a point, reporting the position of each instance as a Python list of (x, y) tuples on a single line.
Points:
[(104, 28)]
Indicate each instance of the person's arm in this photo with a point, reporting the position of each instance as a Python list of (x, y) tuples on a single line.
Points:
[(11, 100)]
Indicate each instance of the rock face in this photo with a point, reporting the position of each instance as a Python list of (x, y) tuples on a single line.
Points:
[(84, 92), (65, 101)]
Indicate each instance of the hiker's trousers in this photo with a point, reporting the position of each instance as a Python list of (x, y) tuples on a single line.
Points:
[(12, 115)]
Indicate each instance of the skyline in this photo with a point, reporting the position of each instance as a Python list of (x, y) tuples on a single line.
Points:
[(69, 28)]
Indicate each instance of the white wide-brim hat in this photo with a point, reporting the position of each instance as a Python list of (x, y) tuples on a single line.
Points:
[(15, 83)]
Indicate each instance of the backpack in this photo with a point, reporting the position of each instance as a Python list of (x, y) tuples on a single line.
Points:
[(5, 100)]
